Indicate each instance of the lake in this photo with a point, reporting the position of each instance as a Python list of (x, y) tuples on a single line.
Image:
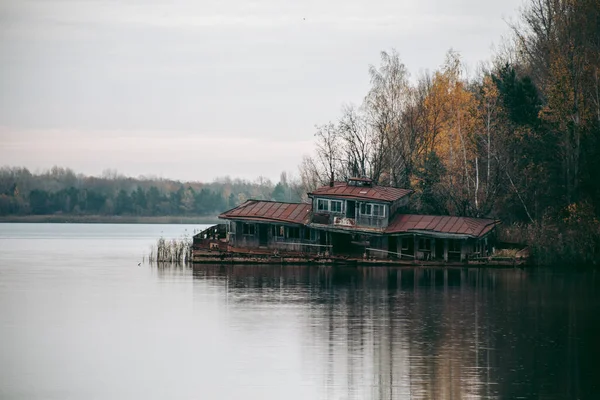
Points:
[(79, 319)]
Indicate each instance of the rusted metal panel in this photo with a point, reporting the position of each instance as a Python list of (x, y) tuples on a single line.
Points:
[(342, 190), (259, 210), (473, 227), (424, 221), (444, 224)]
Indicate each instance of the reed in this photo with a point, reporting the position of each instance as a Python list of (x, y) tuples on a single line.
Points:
[(172, 251)]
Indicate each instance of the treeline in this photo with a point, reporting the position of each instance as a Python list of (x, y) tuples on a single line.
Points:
[(519, 139), (62, 191)]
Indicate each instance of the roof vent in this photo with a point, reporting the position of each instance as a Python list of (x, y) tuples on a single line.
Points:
[(363, 192)]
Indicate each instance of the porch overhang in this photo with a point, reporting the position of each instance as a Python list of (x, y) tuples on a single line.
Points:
[(438, 235), (347, 230)]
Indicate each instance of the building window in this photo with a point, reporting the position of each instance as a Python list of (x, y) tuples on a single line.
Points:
[(454, 245), (405, 243), (278, 231), (322, 205), (424, 244), (294, 233), (248, 229), (306, 233), (365, 209), (378, 210), (336, 206)]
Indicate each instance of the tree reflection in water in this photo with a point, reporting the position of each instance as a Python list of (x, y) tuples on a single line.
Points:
[(454, 333)]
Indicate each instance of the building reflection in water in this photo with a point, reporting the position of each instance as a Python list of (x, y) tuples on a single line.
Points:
[(428, 333)]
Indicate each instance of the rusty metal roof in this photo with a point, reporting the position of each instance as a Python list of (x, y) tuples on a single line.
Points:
[(473, 227), (261, 210), (342, 190)]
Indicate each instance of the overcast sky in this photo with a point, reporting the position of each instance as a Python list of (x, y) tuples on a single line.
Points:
[(194, 89)]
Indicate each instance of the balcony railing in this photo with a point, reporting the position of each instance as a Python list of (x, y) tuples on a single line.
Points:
[(366, 221), (371, 221)]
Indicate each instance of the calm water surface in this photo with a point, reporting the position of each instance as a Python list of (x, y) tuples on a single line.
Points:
[(79, 319)]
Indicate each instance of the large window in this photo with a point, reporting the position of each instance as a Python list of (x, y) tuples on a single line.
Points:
[(322, 205), (365, 209), (378, 210), (336, 206), (248, 229)]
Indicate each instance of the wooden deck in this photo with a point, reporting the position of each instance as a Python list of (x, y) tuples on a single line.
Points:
[(267, 256)]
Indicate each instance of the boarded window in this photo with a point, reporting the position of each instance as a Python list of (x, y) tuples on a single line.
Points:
[(294, 233), (336, 206), (322, 205), (248, 229)]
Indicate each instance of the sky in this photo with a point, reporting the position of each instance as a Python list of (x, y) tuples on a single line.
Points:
[(195, 89)]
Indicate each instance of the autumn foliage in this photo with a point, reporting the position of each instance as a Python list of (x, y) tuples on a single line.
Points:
[(518, 140)]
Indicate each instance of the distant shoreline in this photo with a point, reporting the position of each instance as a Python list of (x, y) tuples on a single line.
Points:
[(107, 219)]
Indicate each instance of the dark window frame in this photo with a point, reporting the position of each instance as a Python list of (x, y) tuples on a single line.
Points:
[(366, 209), (248, 229), (424, 241), (336, 202), (293, 232), (380, 210), (454, 245), (307, 235), (405, 240), (325, 205), (278, 231)]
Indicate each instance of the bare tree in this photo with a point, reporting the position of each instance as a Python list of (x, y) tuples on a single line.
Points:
[(329, 152), (356, 137), (386, 103)]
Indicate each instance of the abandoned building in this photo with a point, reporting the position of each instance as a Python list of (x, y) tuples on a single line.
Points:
[(356, 219)]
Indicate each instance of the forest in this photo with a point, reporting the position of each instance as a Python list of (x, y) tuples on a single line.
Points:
[(62, 191), (517, 139)]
